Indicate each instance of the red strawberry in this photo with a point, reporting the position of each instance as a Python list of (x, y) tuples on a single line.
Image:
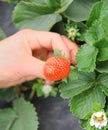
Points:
[(56, 68)]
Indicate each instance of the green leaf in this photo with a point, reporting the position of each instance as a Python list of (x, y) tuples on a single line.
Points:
[(37, 1), (26, 116), (82, 104), (59, 28), (105, 0), (75, 87), (7, 118), (102, 67), (59, 5), (64, 5), (79, 10), (55, 4), (98, 11), (2, 34), (83, 124), (73, 73), (7, 94), (13, 1), (105, 24), (103, 82), (57, 52), (97, 106), (21, 117), (89, 127), (102, 46), (34, 16), (94, 33), (82, 30), (86, 57), (38, 88)]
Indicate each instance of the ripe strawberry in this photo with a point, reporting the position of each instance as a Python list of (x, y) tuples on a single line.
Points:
[(56, 68)]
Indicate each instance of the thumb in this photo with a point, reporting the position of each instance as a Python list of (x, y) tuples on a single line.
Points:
[(34, 68)]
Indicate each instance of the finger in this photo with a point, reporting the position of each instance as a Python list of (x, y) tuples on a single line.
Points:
[(73, 48), (48, 40), (34, 68), (40, 54)]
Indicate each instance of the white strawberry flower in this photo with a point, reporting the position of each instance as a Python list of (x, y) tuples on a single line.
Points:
[(98, 119), (46, 89)]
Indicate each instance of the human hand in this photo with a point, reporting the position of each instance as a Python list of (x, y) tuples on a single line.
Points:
[(21, 53)]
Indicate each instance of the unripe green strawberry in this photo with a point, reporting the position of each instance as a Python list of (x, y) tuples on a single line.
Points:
[(56, 68)]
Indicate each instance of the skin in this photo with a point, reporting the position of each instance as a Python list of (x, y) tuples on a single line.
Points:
[(21, 54)]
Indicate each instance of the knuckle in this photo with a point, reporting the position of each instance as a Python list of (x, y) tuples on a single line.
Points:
[(25, 31), (56, 35)]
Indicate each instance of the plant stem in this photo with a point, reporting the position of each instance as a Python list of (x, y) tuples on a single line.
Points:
[(32, 94)]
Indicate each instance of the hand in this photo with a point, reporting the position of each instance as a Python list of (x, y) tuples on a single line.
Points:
[(21, 54)]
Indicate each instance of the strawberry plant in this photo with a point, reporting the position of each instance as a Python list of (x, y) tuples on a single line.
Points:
[(86, 87)]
